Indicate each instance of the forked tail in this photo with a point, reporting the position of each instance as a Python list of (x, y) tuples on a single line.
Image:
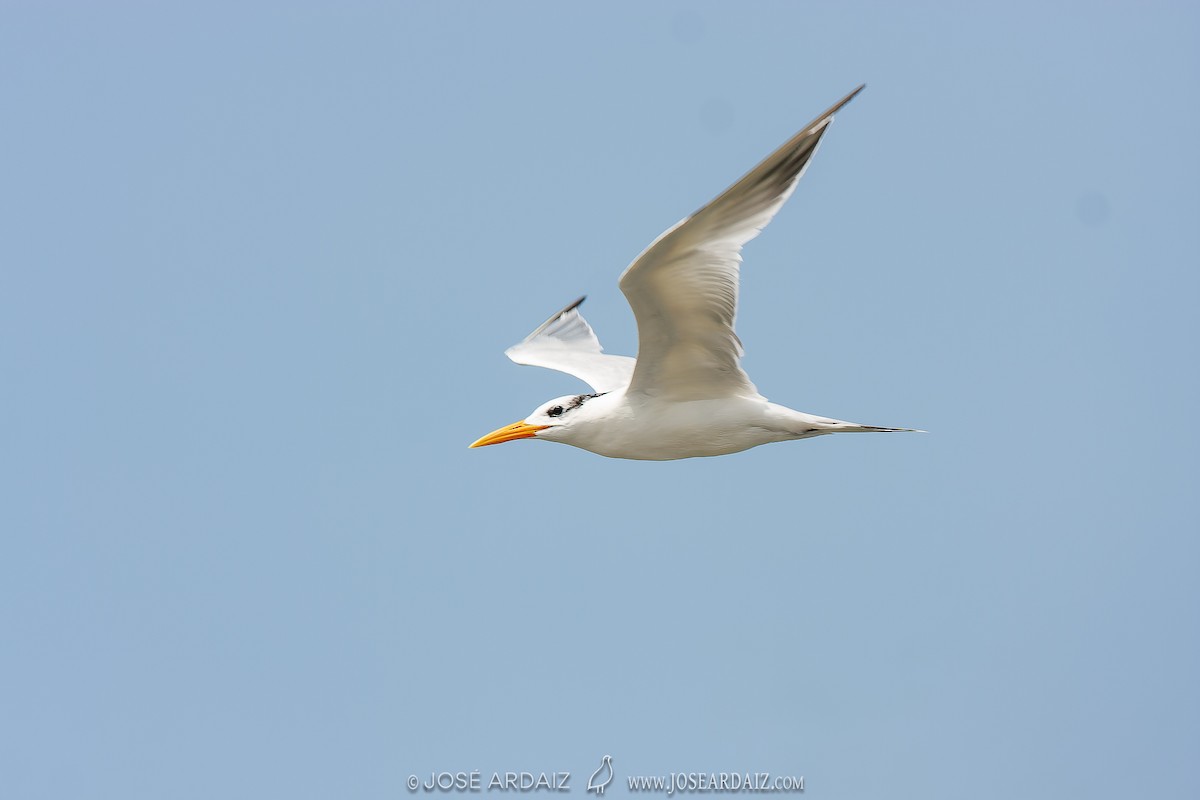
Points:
[(850, 427), (800, 425), (814, 424)]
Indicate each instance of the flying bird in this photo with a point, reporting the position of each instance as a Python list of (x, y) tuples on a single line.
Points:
[(685, 395)]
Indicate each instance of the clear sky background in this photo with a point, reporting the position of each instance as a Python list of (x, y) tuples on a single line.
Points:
[(258, 267)]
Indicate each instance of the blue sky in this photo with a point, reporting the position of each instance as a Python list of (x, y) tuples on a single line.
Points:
[(258, 267)]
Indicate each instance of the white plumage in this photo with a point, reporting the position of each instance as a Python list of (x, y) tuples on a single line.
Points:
[(685, 395)]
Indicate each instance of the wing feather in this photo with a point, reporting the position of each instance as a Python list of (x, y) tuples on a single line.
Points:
[(683, 288), (566, 343)]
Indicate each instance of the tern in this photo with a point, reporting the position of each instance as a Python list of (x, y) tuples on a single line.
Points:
[(685, 395)]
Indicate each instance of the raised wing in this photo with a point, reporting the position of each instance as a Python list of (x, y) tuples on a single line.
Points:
[(566, 342), (683, 288)]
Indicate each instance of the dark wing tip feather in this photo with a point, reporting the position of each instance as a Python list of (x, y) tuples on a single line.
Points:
[(555, 317), (836, 107)]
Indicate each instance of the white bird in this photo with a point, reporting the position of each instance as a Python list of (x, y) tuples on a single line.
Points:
[(686, 394), (602, 777)]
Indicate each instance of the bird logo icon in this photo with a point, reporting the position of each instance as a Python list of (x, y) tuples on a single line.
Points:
[(602, 777)]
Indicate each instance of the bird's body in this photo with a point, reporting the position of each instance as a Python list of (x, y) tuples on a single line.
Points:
[(686, 394), (646, 428)]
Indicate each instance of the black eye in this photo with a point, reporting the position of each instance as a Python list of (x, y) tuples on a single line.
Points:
[(555, 412)]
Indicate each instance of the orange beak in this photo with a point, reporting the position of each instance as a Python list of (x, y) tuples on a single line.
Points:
[(518, 430)]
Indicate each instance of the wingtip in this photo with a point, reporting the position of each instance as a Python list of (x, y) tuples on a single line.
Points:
[(841, 103), (559, 315)]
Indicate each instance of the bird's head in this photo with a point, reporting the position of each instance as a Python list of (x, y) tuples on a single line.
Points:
[(554, 420)]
